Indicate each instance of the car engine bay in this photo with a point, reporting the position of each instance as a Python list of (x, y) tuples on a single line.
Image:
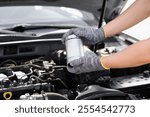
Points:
[(37, 71)]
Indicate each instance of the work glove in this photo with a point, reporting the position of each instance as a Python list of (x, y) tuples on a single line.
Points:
[(88, 63), (88, 35)]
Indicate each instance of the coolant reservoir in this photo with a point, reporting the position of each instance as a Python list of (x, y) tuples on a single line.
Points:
[(74, 48)]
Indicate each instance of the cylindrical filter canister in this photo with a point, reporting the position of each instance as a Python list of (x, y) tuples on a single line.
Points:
[(74, 48)]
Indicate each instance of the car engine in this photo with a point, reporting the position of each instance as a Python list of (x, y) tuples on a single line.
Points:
[(42, 79), (34, 71)]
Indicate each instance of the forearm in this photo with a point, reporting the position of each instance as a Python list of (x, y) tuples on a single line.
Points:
[(135, 55), (137, 12)]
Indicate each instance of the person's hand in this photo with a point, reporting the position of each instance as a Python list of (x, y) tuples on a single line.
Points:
[(89, 36), (90, 62)]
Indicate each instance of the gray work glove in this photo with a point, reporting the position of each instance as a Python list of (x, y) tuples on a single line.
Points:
[(88, 35), (90, 62)]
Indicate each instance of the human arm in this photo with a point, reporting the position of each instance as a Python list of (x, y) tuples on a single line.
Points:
[(137, 12), (135, 55)]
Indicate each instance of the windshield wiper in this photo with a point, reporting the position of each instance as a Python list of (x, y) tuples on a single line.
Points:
[(24, 27), (19, 29), (4, 32)]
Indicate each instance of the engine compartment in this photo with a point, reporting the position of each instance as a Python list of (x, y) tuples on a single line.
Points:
[(39, 77), (38, 71)]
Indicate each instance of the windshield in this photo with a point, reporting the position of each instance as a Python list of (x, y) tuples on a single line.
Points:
[(42, 14), (141, 30)]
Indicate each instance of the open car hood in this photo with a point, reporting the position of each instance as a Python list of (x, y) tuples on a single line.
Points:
[(113, 6)]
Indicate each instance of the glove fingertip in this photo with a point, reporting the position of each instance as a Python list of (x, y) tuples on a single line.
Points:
[(72, 70), (66, 35), (76, 62)]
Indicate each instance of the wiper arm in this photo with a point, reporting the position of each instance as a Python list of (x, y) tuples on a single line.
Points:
[(4, 32), (19, 29), (24, 27)]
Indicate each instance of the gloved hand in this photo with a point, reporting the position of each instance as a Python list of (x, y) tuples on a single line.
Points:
[(90, 62), (89, 36)]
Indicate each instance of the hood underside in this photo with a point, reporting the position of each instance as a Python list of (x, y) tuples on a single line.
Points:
[(112, 10)]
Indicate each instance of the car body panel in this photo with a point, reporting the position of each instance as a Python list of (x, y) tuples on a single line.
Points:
[(112, 10)]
